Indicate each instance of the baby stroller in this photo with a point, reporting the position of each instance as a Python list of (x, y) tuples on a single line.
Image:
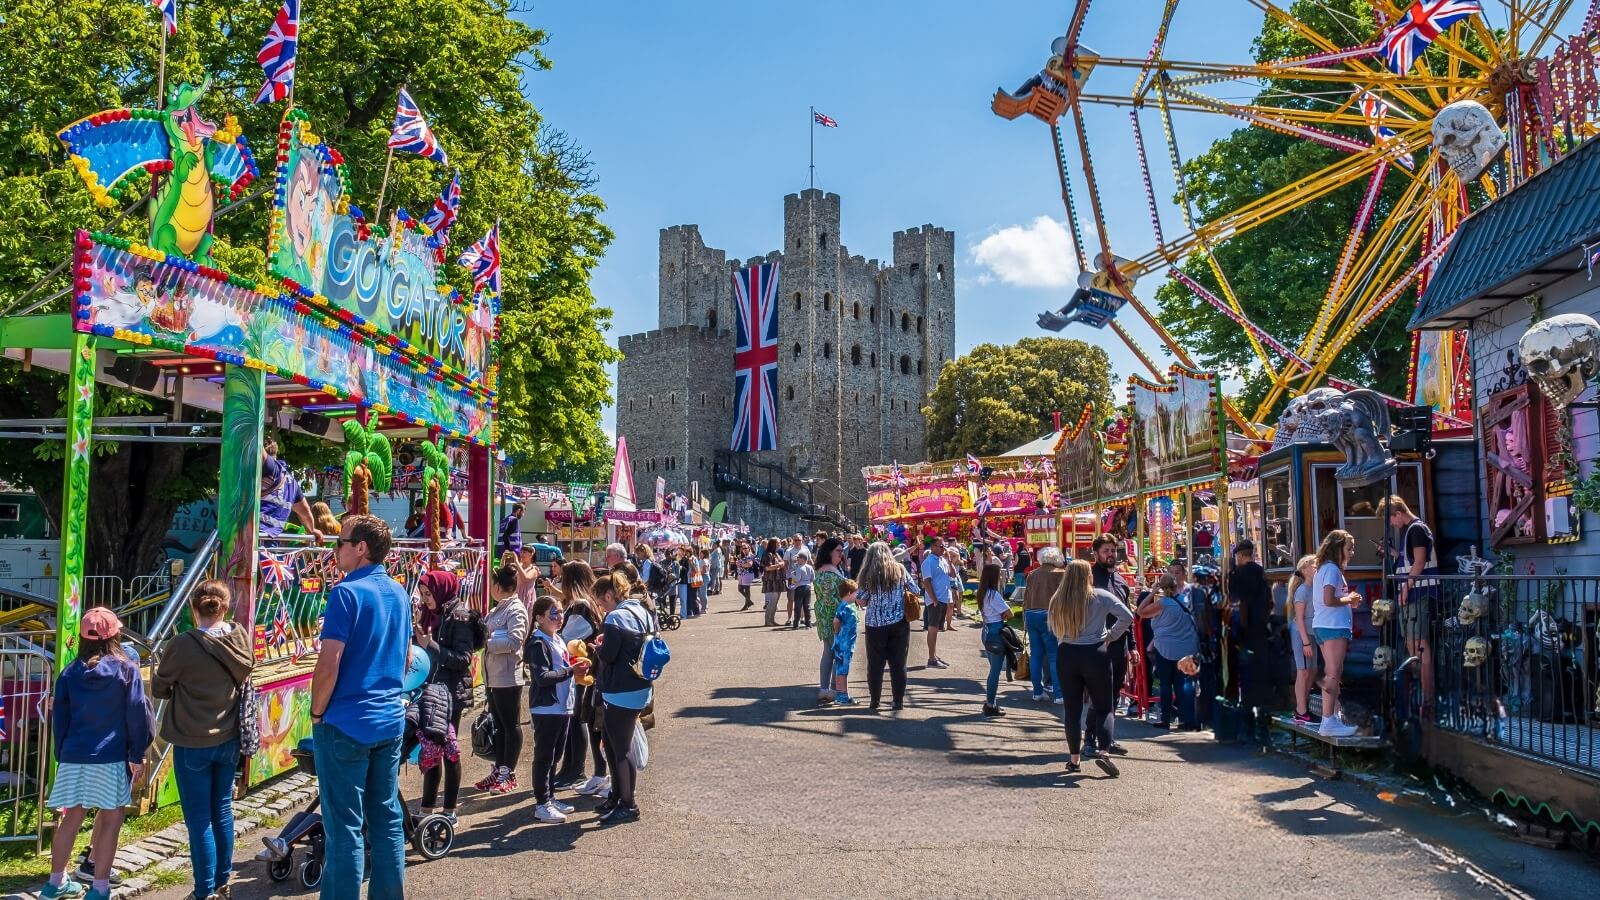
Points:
[(432, 835), (666, 604)]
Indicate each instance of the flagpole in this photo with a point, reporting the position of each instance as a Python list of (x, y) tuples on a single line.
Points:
[(161, 68), (384, 187), (813, 146)]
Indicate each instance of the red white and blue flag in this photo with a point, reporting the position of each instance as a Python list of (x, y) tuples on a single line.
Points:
[(755, 359), (277, 52), (973, 465), (897, 476), (411, 132), (984, 506), (482, 259), (443, 214), (1423, 21), (169, 15), (5, 726), (276, 571), (280, 626), (1375, 109), (824, 121)]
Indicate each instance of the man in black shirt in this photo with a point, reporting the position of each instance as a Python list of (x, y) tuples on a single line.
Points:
[(1249, 593), (857, 555)]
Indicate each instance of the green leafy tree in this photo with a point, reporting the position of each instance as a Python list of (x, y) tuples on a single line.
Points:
[(1281, 270), (464, 61), (1001, 396)]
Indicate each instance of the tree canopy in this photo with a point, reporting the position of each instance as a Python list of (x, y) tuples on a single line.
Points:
[(466, 63), (1281, 270), (1001, 396)]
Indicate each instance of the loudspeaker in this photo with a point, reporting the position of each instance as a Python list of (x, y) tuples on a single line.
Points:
[(135, 373), (1413, 430), (312, 423)]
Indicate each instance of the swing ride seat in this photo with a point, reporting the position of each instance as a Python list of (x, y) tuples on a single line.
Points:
[(1041, 102)]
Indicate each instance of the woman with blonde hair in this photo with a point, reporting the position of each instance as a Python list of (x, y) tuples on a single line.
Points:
[(1331, 623), (1302, 647), (1078, 617), (881, 587), (327, 523)]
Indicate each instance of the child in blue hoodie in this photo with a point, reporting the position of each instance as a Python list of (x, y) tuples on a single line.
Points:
[(102, 725)]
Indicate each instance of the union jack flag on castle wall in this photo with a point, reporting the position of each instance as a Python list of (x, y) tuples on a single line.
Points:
[(755, 359)]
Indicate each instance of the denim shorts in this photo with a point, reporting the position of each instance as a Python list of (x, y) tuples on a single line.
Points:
[(1323, 635)]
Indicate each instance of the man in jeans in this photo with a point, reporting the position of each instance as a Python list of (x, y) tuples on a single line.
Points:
[(358, 714)]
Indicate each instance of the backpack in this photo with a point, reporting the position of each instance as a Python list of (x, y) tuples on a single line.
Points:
[(485, 736), (654, 653)]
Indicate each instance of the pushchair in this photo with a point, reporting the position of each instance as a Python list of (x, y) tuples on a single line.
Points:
[(666, 604), (431, 836)]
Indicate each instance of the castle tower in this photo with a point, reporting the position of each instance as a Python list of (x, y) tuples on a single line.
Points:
[(696, 286)]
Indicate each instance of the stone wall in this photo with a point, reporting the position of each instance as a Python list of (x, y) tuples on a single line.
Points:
[(675, 396)]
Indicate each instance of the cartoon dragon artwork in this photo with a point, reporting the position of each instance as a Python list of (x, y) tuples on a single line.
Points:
[(197, 159), (368, 464)]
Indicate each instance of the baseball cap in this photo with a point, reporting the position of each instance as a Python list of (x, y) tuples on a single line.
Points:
[(99, 624)]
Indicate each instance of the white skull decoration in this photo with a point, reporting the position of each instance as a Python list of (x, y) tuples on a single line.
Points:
[(1382, 659), (1466, 135), (1382, 611), (1476, 652), (1474, 606), (1560, 354)]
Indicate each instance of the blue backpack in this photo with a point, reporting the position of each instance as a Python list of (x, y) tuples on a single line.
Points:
[(654, 654)]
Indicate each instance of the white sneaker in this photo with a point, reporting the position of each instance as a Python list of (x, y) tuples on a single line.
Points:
[(545, 812), (565, 808), (595, 786), (1335, 726), (1061, 701), (1037, 697)]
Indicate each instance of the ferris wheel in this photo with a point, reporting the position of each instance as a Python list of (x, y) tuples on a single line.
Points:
[(1432, 94)]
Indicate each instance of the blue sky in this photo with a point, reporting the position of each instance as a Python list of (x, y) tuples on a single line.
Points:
[(698, 113)]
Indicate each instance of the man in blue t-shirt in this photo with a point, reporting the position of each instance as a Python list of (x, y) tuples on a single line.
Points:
[(937, 579), (280, 496), (358, 713)]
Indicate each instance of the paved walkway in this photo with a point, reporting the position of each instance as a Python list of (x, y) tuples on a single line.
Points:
[(752, 791)]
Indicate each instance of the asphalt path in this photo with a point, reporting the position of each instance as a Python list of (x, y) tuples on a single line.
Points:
[(752, 790)]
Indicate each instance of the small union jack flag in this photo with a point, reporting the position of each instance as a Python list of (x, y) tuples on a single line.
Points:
[(169, 15), (411, 132), (275, 570), (1404, 41), (897, 476), (1375, 109), (973, 465), (5, 725), (443, 214), (983, 507), (277, 53), (482, 259), (824, 121), (1047, 467), (280, 626), (1027, 466)]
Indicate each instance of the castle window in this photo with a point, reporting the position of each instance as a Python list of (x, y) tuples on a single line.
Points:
[(908, 443), (874, 359), (873, 399), (939, 273), (919, 367), (905, 365), (919, 324), (651, 401), (796, 299), (827, 350), (791, 392), (855, 355), (672, 268), (630, 406), (672, 399), (797, 350), (703, 393), (711, 320), (702, 463), (905, 321), (827, 301), (857, 312), (822, 239), (872, 314), (915, 268), (858, 398)]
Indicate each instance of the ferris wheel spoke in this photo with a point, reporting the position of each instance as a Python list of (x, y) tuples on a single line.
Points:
[(1553, 21)]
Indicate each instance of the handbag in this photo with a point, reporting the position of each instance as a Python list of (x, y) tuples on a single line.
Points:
[(1023, 672), (913, 606), (248, 708)]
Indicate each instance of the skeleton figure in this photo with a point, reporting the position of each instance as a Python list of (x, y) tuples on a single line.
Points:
[(1476, 652), (1466, 135), (1560, 355), (1354, 422)]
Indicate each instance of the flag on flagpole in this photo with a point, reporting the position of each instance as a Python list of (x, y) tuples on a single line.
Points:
[(280, 625), (1375, 109), (897, 476), (973, 465), (411, 132), (824, 121), (169, 15), (482, 259), (1424, 21), (277, 52), (5, 726), (443, 213)]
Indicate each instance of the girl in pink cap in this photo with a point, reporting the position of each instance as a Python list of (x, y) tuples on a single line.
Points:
[(102, 726)]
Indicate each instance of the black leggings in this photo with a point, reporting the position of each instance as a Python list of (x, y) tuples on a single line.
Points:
[(1081, 667), (505, 704), (451, 771), (618, 728), (887, 644), (581, 737), (549, 740), (744, 591)]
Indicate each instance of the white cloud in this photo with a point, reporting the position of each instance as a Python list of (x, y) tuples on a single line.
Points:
[(1038, 254)]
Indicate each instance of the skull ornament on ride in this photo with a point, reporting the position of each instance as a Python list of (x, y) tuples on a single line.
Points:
[(1476, 652), (1382, 611), (1561, 354), (1382, 659), (1466, 135), (1474, 606), (1354, 422)]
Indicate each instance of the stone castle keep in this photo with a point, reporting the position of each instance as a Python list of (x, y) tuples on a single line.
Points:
[(860, 346)]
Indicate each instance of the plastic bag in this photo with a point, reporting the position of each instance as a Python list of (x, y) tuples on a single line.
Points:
[(639, 750)]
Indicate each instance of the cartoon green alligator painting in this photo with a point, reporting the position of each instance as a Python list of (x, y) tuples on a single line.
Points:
[(194, 158)]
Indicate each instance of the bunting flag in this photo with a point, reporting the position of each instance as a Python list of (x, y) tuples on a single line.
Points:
[(280, 625), (482, 259), (1425, 20), (1375, 109), (169, 15), (278, 52), (275, 570), (411, 132), (5, 726)]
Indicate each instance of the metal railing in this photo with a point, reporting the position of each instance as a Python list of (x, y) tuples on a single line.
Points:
[(26, 681), (772, 484), (1515, 663)]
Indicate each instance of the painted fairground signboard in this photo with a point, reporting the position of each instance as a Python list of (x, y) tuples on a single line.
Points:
[(1176, 427), (1078, 455), (883, 504), (1014, 494), (935, 498)]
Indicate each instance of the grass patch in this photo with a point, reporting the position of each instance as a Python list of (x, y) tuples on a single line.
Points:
[(23, 869), (164, 877)]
